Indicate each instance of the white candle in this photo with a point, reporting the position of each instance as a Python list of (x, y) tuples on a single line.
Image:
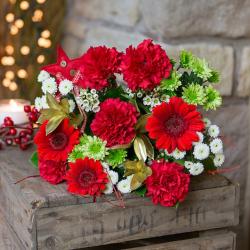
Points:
[(13, 108)]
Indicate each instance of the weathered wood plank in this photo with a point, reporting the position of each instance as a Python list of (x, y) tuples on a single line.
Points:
[(8, 239), (48, 217), (102, 223), (216, 242)]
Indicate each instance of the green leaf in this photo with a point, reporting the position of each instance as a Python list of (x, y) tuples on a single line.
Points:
[(34, 159), (141, 191), (141, 123)]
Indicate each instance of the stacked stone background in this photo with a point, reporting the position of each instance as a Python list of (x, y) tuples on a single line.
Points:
[(217, 30)]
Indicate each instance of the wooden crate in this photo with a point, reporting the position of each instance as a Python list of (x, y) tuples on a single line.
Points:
[(47, 217)]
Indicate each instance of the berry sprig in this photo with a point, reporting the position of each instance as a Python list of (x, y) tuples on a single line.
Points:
[(21, 135)]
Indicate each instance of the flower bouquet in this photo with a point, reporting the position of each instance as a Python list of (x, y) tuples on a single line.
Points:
[(127, 122)]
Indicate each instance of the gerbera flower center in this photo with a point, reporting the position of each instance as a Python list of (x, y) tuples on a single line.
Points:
[(175, 125), (58, 141), (87, 177)]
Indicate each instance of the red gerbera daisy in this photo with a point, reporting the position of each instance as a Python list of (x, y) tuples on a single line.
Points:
[(57, 145), (99, 65), (145, 66), (115, 122), (52, 171), (86, 177), (175, 125), (168, 184)]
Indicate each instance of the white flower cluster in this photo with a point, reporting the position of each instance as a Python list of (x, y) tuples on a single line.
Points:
[(124, 186), (152, 101), (88, 100), (194, 168)]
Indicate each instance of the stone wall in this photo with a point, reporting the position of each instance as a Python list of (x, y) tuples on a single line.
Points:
[(218, 30)]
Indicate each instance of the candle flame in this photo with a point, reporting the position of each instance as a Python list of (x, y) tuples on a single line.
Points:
[(13, 103)]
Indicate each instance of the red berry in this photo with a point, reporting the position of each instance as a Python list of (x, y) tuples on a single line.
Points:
[(7, 118), (8, 141), (32, 117), (34, 110), (8, 123), (12, 131), (29, 131), (22, 133), (25, 139), (27, 108), (23, 146), (17, 140)]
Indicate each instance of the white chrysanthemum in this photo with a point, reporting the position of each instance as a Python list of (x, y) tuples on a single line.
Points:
[(49, 86), (207, 122), (38, 103), (65, 87), (201, 138), (109, 188), (219, 160), (165, 98), (201, 151), (188, 164), (105, 166), (216, 146), (113, 176), (44, 102), (43, 75), (72, 105), (147, 100), (124, 186), (177, 154), (196, 169), (214, 131)]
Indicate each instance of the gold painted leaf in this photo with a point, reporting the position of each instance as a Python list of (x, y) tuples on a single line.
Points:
[(141, 123), (53, 123), (139, 171), (65, 105), (140, 149), (52, 102), (76, 120), (149, 146)]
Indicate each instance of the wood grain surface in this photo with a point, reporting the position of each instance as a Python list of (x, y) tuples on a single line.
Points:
[(47, 217)]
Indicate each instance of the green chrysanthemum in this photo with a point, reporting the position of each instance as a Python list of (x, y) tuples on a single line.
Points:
[(194, 94), (116, 157), (90, 146), (215, 77), (200, 68), (171, 83), (186, 59), (213, 98)]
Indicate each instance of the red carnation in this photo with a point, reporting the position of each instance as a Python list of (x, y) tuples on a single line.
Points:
[(57, 145), (145, 66), (175, 125), (52, 171), (115, 122), (168, 184), (99, 65), (86, 177)]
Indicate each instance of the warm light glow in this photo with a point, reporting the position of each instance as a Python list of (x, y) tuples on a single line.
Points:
[(12, 1), (19, 23), (45, 34), (10, 17), (8, 60), (25, 50), (13, 30), (40, 58), (9, 74), (41, 1), (9, 49), (22, 73), (24, 5), (6, 82), (38, 15), (13, 87), (42, 42)]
